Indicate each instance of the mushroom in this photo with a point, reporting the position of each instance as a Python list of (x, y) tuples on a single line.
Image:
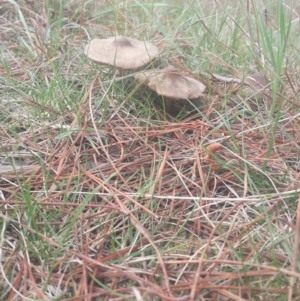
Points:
[(121, 52), (256, 85), (176, 87)]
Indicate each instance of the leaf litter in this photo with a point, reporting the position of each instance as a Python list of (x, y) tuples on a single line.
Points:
[(153, 208)]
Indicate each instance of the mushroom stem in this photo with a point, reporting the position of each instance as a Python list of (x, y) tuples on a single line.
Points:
[(120, 72)]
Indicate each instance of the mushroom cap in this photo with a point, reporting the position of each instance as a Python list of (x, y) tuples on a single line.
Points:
[(257, 81), (121, 52), (170, 82)]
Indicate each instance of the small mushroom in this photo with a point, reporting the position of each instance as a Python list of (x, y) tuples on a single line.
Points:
[(257, 85), (175, 86), (121, 52)]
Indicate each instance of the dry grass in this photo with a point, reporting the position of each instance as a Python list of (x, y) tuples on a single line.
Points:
[(104, 197)]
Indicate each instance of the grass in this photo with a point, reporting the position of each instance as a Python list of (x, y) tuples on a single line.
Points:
[(105, 197)]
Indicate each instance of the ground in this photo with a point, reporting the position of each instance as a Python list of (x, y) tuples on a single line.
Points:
[(106, 196)]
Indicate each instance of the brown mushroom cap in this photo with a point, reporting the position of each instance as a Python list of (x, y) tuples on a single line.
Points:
[(170, 82), (121, 52), (257, 81)]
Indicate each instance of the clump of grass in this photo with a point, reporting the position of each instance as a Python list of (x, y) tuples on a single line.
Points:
[(105, 197)]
